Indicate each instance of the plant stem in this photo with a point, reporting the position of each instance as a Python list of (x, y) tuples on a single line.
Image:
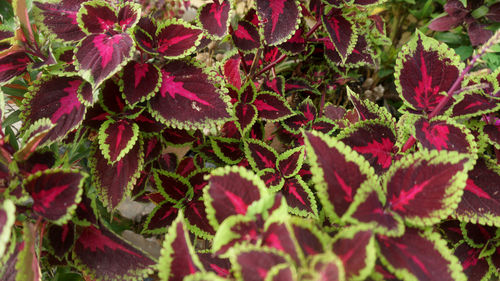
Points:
[(272, 64)]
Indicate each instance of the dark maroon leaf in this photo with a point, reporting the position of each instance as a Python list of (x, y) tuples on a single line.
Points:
[(474, 104), (214, 17), (246, 115), (298, 197), (145, 34), (370, 211), (271, 106), (230, 192), (148, 124), (445, 23), (299, 85), (99, 56), (60, 18), (177, 39), (360, 55), (308, 238), (38, 161), (55, 192), (442, 135), (96, 17), (128, 15), (341, 173), (227, 149), (125, 173), (139, 81), (56, 98), (218, 265), (106, 256), (9, 271), (260, 155), (255, 263), (492, 133), (481, 199), (421, 256), (177, 136), (13, 65), (178, 258), (426, 188), (196, 217), (116, 139), (289, 165), (365, 2), (341, 31), (277, 85), (160, 218), (282, 18), (451, 231), (61, 238), (246, 36), (478, 33), (272, 179), (356, 249), (185, 86), (475, 268), (375, 141), (280, 237), (477, 235), (424, 72), (172, 186)]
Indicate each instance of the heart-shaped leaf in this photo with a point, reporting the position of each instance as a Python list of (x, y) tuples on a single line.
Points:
[(60, 19), (338, 172), (117, 138), (55, 193), (425, 71), (281, 19), (140, 81), (214, 17), (185, 85), (55, 98), (177, 38)]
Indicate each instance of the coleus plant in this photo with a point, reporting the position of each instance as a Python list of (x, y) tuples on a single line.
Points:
[(238, 129)]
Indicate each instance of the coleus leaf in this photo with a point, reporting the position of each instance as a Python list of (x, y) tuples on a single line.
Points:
[(214, 17), (361, 54), (160, 218), (145, 34), (355, 246), (246, 36), (187, 86), (61, 239), (246, 115), (409, 181), (61, 19), (492, 134), (178, 258), (368, 110), (375, 140), (444, 134), (419, 256), (102, 254), (296, 44), (172, 186), (309, 238), (271, 106), (338, 172), (260, 155), (282, 19), (290, 162), (230, 191), (227, 149), (196, 218), (326, 266), (236, 231), (255, 263), (177, 38), (139, 81), (367, 209), (214, 264), (477, 235), (13, 65), (116, 138), (55, 193), (341, 31), (96, 17), (55, 98), (276, 85), (425, 70), (7, 219), (475, 268), (99, 56), (474, 104), (280, 236), (300, 199), (231, 70), (125, 173), (480, 201)]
